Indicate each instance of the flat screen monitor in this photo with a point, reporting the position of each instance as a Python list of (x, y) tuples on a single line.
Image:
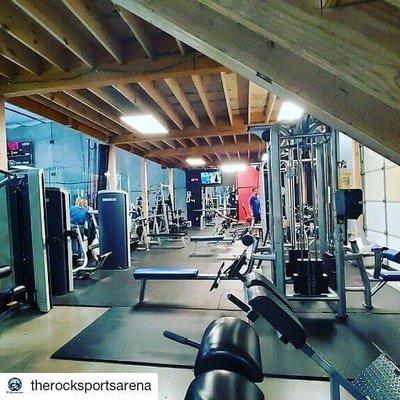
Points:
[(211, 178)]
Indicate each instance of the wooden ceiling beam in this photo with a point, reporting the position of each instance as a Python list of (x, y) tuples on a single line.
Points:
[(139, 30), (349, 95), (44, 13), (219, 130), (227, 96), (202, 150), (271, 101), (162, 102), (136, 70), (85, 12), (131, 94), (31, 35), (183, 100), (45, 108), (7, 68), (201, 90), (20, 55), (106, 94), (105, 133), (69, 103)]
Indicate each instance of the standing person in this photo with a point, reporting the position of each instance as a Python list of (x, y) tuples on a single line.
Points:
[(255, 206)]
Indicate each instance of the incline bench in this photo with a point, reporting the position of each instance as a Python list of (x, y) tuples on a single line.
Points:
[(379, 381)]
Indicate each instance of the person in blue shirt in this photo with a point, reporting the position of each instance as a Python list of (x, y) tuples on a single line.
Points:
[(78, 216), (79, 212), (255, 206)]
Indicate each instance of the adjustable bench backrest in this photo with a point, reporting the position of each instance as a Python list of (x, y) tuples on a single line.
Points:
[(277, 313)]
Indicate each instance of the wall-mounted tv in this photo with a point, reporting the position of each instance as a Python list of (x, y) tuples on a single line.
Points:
[(211, 178)]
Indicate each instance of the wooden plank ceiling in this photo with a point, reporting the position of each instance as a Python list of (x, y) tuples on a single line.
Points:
[(87, 63)]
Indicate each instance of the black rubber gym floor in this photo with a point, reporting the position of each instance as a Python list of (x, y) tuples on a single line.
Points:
[(119, 289), (134, 336)]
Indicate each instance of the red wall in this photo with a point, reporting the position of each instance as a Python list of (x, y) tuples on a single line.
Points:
[(246, 181)]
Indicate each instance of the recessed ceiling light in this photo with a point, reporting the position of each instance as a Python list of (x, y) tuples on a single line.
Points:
[(233, 167), (146, 123), (289, 112), (195, 161)]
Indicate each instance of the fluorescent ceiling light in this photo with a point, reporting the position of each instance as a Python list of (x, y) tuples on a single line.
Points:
[(146, 123), (230, 167), (195, 161), (289, 112)]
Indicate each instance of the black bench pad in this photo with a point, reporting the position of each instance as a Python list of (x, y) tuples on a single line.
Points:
[(390, 276), (165, 273), (206, 238), (223, 385), (167, 235)]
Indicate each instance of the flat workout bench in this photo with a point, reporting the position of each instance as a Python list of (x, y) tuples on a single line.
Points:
[(172, 274), (206, 239), (177, 236), (162, 273)]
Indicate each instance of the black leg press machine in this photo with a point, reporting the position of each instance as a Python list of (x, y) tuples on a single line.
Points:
[(228, 361)]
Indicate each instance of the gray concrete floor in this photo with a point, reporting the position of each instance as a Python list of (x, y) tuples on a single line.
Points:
[(28, 340)]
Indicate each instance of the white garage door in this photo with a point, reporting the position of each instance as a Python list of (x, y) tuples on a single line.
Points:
[(381, 180)]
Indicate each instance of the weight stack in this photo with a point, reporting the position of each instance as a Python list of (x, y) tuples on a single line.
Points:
[(310, 279), (330, 269), (113, 208), (294, 255)]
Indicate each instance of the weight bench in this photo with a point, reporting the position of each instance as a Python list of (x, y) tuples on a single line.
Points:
[(380, 276), (176, 237), (206, 239), (162, 274), (379, 381)]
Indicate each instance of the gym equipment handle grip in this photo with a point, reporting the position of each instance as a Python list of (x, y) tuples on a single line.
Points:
[(181, 339), (238, 303)]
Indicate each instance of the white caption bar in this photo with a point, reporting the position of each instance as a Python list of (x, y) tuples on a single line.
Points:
[(78, 386)]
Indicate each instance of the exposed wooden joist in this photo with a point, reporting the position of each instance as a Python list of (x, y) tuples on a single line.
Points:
[(201, 90), (227, 96), (85, 12), (45, 14), (219, 130), (180, 95), (19, 54), (271, 99), (162, 102), (71, 114), (63, 100), (335, 96), (181, 46), (7, 69), (194, 151), (138, 70), (106, 94), (61, 117), (140, 31), (107, 111), (131, 94), (26, 31)]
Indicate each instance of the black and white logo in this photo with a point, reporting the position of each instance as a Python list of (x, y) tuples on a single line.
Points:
[(15, 384)]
